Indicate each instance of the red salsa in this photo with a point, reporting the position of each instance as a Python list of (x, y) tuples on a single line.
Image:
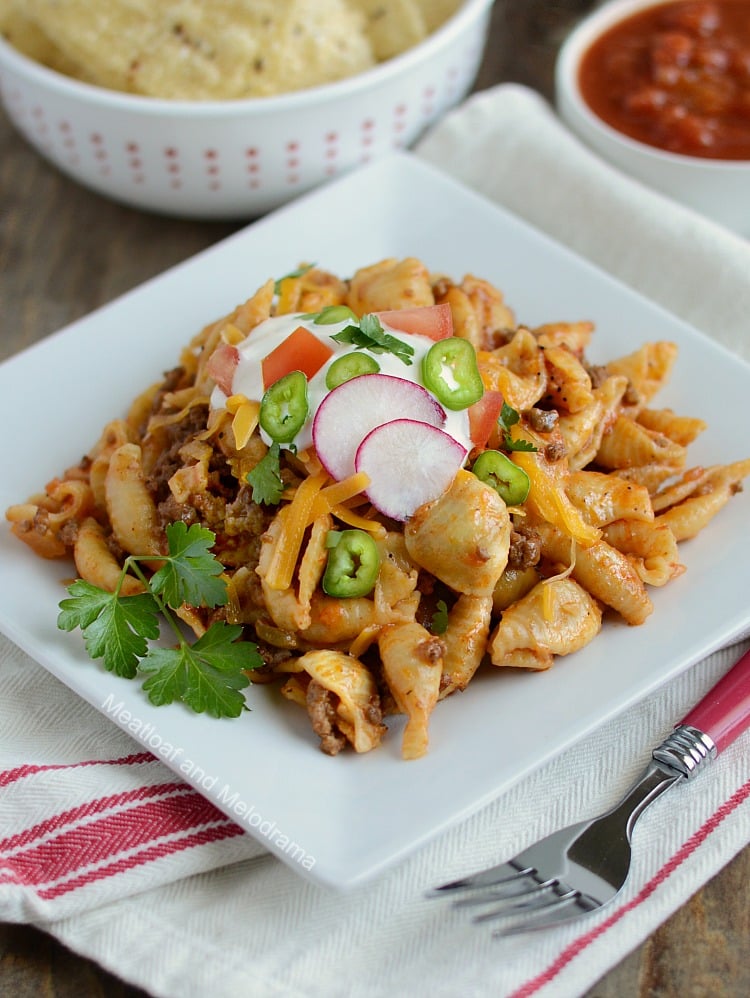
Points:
[(676, 76)]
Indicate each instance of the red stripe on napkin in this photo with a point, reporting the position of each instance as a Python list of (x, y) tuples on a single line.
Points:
[(203, 837), (672, 864), (100, 840), (69, 817), (21, 772)]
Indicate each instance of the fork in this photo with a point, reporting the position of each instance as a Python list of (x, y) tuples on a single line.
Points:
[(576, 870)]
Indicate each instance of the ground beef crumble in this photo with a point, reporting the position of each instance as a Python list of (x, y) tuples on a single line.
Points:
[(542, 420), (169, 460), (322, 711), (525, 547), (556, 449)]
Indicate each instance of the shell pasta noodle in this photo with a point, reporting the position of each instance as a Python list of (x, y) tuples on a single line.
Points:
[(402, 487)]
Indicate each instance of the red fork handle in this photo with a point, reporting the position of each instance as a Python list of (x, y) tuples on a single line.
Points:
[(724, 712)]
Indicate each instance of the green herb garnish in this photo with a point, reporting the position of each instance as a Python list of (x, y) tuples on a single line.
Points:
[(519, 445), (115, 628), (191, 573), (439, 622), (369, 334), (207, 675), (265, 478), (509, 417)]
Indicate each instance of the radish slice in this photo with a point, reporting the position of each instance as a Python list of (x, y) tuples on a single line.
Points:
[(409, 463), (349, 412)]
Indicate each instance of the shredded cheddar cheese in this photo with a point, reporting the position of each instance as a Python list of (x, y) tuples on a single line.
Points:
[(246, 415), (364, 639), (352, 519), (339, 492), (548, 500), (232, 335), (295, 518), (548, 608)]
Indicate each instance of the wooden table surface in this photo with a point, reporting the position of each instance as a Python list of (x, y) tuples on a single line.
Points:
[(63, 252)]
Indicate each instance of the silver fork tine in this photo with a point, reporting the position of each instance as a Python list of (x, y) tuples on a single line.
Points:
[(521, 898), (566, 908), (534, 905), (504, 872), (594, 855)]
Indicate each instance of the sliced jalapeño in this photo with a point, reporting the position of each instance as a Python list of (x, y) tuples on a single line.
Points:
[(351, 365), (450, 372), (498, 471), (353, 564), (284, 407)]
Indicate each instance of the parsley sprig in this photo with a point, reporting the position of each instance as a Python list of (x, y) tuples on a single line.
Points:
[(209, 674), (509, 417), (368, 334)]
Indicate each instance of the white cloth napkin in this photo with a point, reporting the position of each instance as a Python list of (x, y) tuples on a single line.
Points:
[(104, 848)]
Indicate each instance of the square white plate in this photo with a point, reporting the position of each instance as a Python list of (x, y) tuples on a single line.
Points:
[(347, 818)]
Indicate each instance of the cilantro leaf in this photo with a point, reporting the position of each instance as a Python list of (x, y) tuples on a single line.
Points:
[(115, 628), (265, 478), (191, 572), (439, 623), (519, 445), (370, 335), (509, 417), (207, 676)]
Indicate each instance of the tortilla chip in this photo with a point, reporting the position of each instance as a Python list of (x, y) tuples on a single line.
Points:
[(437, 12), (217, 49), (312, 42), (392, 25), (25, 36), (195, 50)]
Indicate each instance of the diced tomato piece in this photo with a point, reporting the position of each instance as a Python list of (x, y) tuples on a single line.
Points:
[(221, 366), (483, 417), (434, 321), (300, 351)]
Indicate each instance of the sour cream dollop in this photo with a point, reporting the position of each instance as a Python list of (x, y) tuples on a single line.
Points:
[(247, 379)]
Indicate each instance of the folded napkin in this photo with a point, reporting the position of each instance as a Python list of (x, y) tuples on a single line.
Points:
[(105, 848)]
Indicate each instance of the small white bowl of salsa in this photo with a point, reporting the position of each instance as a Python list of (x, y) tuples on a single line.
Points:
[(661, 89)]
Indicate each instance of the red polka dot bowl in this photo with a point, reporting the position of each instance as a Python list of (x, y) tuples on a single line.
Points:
[(238, 159)]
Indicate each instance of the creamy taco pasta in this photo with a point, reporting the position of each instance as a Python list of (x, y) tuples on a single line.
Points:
[(403, 485)]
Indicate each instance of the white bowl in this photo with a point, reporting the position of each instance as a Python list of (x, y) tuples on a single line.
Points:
[(239, 158), (719, 189)]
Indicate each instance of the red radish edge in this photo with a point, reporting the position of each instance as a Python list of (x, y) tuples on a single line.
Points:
[(357, 407), (409, 463)]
